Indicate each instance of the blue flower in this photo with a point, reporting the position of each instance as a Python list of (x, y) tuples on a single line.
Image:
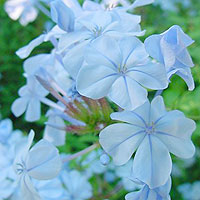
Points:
[(154, 132), (23, 10), (170, 49), (91, 27), (49, 189), (119, 70), (41, 162), (76, 186), (190, 191), (29, 101), (146, 193), (54, 33)]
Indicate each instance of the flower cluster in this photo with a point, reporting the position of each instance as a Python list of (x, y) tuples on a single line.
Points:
[(98, 60)]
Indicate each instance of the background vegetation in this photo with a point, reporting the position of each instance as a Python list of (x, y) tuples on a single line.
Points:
[(154, 20)]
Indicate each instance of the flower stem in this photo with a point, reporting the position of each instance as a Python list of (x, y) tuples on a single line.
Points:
[(80, 153)]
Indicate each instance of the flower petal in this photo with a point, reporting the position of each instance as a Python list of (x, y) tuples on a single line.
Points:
[(136, 117), (55, 135), (43, 161), (152, 45), (127, 93), (175, 131), (152, 163), (26, 50), (74, 59), (62, 15), (150, 75), (27, 189), (157, 108), (99, 52), (33, 110), (133, 51), (120, 141), (19, 106), (95, 81)]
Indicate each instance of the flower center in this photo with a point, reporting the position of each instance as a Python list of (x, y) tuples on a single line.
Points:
[(150, 128), (97, 31), (20, 168), (122, 69)]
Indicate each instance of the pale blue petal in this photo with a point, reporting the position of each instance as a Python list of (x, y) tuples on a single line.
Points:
[(43, 161), (95, 81), (19, 106), (181, 36), (133, 51), (159, 193), (91, 6), (30, 66), (54, 135), (130, 117), (51, 189), (67, 40), (26, 50), (76, 185), (133, 196), (120, 141), (169, 56), (33, 112), (175, 131), (74, 59), (75, 6), (165, 189), (152, 163), (100, 53), (99, 19), (152, 45), (62, 15), (185, 58), (150, 75), (27, 189), (186, 75), (157, 108), (127, 93)]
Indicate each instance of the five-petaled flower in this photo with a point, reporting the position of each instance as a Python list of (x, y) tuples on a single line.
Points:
[(120, 72), (154, 132), (170, 48), (40, 162)]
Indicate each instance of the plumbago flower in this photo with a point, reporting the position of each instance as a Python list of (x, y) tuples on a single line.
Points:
[(25, 10), (41, 162), (146, 193), (49, 64), (190, 191), (49, 189), (88, 27), (76, 186), (170, 49), (30, 97), (154, 132), (120, 72)]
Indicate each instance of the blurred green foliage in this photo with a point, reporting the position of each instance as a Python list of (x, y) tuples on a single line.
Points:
[(154, 20)]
